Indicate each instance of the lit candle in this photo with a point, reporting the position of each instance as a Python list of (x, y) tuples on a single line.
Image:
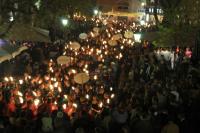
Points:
[(73, 71), (106, 52), (59, 89), (51, 87), (64, 106), (36, 102), (87, 71), (95, 77), (65, 96), (34, 93), (75, 105), (6, 79), (100, 104), (21, 100), (40, 81), (56, 84), (73, 88), (112, 96), (87, 96), (120, 55), (108, 101), (19, 93), (11, 79)]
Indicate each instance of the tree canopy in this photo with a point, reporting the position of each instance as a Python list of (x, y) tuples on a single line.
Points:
[(15, 10), (40, 12), (182, 17)]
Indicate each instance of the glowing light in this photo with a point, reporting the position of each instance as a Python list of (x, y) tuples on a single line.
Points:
[(112, 96), (21, 81), (87, 96), (51, 87), (120, 55), (59, 89), (100, 104), (34, 93), (19, 93), (11, 79), (108, 101), (142, 22), (21, 100), (73, 71), (64, 106), (6, 79), (95, 77), (96, 12), (73, 88), (36, 102), (56, 84), (65, 96), (65, 22), (75, 105), (142, 4), (40, 81)]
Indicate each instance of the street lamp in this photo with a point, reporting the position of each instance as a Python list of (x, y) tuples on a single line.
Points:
[(96, 11), (137, 37), (142, 4), (64, 22)]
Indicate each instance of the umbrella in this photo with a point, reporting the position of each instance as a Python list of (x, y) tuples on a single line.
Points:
[(83, 36), (81, 78), (117, 37), (8, 51), (63, 60), (19, 51), (96, 29), (128, 34), (112, 42), (75, 45), (4, 55)]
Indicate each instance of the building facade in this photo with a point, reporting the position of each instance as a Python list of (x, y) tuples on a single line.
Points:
[(129, 8)]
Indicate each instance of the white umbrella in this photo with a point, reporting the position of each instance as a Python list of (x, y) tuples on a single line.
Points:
[(19, 51), (83, 36), (4, 55), (75, 45), (8, 51), (112, 42), (63, 60), (117, 37), (81, 78), (96, 29), (128, 34)]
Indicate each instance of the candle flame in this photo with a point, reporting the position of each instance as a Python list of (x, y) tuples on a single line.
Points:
[(36, 102), (64, 106), (75, 105), (21, 100)]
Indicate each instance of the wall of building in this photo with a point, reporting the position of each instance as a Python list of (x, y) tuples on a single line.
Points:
[(119, 5)]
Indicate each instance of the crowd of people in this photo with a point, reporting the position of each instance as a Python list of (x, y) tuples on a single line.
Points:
[(126, 88)]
